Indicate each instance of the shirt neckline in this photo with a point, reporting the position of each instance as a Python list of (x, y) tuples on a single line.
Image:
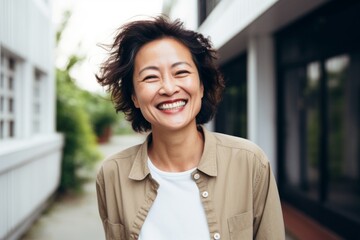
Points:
[(162, 173), (208, 165)]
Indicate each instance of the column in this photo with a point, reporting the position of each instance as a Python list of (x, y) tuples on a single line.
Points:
[(262, 95)]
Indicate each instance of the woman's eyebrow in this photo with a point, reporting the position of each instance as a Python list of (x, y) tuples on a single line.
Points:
[(156, 68), (180, 63), (148, 68)]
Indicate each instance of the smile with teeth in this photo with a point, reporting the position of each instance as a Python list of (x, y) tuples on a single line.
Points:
[(172, 106)]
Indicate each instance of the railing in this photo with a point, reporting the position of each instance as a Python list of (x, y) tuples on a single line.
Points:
[(29, 175)]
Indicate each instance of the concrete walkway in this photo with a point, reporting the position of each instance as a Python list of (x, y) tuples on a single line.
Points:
[(77, 217)]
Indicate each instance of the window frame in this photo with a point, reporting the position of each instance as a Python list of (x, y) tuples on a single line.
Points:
[(9, 70)]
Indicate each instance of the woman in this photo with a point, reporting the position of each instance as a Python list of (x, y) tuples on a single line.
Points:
[(183, 182)]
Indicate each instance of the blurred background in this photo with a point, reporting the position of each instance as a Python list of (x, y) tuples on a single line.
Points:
[(292, 70)]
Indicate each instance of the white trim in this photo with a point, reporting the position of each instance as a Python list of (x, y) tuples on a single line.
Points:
[(233, 22), (16, 152)]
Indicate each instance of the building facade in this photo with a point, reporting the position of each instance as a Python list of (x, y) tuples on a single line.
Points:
[(292, 70), (30, 149)]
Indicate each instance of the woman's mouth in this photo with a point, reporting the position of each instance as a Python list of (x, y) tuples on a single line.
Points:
[(171, 105)]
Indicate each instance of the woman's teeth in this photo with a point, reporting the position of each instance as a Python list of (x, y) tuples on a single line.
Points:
[(170, 106)]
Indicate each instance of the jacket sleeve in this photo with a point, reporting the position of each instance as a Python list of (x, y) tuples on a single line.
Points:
[(268, 218), (101, 199)]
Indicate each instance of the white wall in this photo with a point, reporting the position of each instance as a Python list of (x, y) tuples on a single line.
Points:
[(29, 162), (26, 33), (29, 174)]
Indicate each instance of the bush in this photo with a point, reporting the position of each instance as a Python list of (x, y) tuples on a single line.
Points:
[(102, 113), (80, 149)]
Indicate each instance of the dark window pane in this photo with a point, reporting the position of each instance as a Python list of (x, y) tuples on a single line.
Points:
[(11, 105), (1, 129), (1, 80), (1, 104), (343, 132), (205, 8), (231, 117), (11, 129), (302, 120), (293, 105), (11, 83), (11, 64), (311, 93)]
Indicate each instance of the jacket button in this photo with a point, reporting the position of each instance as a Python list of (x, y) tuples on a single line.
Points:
[(205, 194), (217, 236), (196, 176)]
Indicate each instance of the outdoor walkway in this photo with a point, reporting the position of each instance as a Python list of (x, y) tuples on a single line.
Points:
[(77, 217)]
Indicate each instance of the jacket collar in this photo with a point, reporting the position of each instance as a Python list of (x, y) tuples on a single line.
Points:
[(207, 165)]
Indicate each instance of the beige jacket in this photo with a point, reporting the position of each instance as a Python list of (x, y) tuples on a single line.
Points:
[(238, 191)]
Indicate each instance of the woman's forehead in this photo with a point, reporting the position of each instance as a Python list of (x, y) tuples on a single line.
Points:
[(164, 50)]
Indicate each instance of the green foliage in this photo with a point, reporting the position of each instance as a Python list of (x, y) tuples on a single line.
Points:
[(101, 111), (81, 116), (80, 149)]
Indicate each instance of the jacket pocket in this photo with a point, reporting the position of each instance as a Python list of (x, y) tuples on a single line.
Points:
[(115, 231), (241, 226)]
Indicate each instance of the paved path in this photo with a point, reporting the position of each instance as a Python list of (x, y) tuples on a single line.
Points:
[(77, 217)]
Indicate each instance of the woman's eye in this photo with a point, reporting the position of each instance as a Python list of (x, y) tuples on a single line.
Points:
[(182, 73), (150, 78)]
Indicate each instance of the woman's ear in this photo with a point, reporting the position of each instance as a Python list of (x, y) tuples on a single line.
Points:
[(135, 100)]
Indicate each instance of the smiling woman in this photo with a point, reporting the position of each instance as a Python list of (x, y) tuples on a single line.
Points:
[(117, 72), (173, 186), (167, 88)]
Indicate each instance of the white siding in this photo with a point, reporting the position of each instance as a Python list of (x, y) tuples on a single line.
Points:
[(14, 30), (27, 178), (29, 162)]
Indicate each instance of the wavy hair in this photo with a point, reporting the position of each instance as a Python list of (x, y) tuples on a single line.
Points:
[(116, 73)]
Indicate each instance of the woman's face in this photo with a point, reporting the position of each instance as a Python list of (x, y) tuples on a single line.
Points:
[(167, 88)]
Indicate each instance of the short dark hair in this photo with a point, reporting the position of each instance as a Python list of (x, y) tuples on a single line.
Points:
[(116, 73)]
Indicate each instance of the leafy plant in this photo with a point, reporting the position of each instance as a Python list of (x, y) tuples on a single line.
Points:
[(101, 111), (72, 119)]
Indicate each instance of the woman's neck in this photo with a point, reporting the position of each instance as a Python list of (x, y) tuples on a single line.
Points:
[(176, 151)]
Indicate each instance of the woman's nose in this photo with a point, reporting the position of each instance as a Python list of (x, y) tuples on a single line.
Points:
[(168, 87)]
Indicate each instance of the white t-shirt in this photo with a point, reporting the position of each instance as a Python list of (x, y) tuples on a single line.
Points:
[(177, 212)]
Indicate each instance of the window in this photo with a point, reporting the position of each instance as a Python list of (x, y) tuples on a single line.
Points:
[(7, 96), (302, 123), (231, 116), (343, 131), (319, 115), (205, 8), (37, 101)]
